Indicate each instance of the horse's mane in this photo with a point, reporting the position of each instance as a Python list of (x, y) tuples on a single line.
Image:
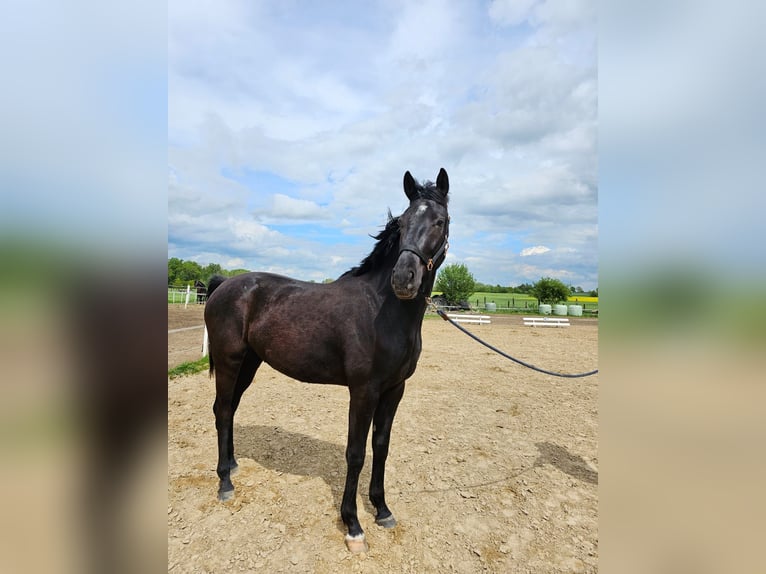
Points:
[(387, 241)]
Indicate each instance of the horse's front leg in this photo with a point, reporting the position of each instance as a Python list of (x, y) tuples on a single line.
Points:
[(381, 436), (360, 414)]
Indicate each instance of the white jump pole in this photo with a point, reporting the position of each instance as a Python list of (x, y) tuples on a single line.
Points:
[(204, 343), (188, 291)]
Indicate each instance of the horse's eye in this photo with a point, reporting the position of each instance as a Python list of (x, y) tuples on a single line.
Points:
[(439, 223)]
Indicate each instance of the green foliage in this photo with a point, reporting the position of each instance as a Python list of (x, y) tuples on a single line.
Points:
[(212, 269), (455, 283), (182, 273), (549, 290), (485, 288), (524, 288)]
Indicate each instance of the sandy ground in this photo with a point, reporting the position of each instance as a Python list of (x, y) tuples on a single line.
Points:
[(492, 467)]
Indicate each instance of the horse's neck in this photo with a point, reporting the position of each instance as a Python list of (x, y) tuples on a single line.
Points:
[(409, 311), (403, 317), (380, 281)]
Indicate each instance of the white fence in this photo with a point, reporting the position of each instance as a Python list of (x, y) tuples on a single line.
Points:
[(546, 322), (475, 319), (183, 295)]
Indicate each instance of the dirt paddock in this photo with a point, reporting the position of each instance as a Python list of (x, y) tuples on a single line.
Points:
[(492, 467)]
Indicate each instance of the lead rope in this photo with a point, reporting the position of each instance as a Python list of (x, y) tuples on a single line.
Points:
[(444, 316)]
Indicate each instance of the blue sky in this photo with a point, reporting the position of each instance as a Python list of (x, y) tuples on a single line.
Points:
[(291, 124)]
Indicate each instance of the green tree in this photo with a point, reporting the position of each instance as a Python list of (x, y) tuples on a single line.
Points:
[(456, 283), (209, 270), (523, 288), (174, 271), (182, 273), (549, 290), (190, 272)]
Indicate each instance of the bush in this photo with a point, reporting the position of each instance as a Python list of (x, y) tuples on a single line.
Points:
[(456, 283), (549, 290)]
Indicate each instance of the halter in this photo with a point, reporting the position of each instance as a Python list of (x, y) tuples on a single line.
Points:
[(429, 261)]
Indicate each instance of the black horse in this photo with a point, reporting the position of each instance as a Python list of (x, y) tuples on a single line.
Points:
[(361, 331), (202, 291)]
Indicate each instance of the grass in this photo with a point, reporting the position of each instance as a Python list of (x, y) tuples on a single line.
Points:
[(522, 303), (189, 368), (503, 300), (517, 300)]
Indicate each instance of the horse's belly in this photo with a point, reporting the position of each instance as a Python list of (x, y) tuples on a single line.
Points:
[(307, 369), (302, 358)]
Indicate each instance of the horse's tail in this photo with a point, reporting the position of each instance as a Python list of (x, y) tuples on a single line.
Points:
[(213, 283)]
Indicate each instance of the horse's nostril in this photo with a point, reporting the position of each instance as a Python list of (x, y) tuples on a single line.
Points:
[(412, 275)]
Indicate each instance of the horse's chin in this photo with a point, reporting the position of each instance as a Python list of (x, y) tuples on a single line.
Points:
[(405, 294)]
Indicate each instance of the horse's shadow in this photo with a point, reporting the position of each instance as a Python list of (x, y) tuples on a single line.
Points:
[(298, 454), (570, 464), (294, 453)]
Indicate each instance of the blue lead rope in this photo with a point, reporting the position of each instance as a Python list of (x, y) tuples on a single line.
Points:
[(443, 315)]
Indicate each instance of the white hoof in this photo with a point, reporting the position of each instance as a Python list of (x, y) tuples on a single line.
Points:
[(356, 544)]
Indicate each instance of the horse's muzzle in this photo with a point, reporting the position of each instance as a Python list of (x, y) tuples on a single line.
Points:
[(406, 276)]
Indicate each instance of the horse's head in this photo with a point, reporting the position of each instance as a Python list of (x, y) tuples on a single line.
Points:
[(423, 233)]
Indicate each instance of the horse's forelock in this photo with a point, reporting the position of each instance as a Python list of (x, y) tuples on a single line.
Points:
[(429, 190)]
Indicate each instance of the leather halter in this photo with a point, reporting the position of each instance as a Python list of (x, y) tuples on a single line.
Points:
[(429, 261)]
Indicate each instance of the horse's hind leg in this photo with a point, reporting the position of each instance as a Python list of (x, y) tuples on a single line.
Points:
[(246, 373), (233, 376), (381, 436)]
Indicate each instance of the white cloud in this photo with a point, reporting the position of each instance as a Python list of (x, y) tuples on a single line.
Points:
[(536, 250), (287, 207), (511, 12), (424, 30), (252, 231), (342, 103)]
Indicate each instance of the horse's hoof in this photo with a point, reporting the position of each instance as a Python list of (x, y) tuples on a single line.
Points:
[(224, 495), (356, 544), (387, 522)]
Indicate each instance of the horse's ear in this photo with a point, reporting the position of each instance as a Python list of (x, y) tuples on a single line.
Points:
[(442, 181), (410, 187)]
